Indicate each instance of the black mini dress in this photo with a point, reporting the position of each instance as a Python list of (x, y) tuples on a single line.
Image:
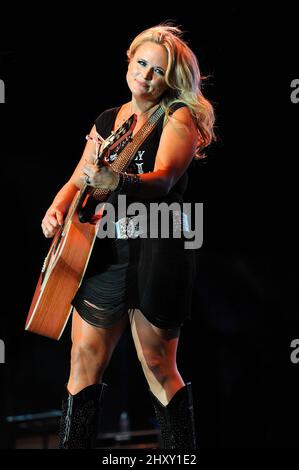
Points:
[(155, 275)]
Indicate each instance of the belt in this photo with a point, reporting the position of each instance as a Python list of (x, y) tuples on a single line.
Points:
[(134, 226)]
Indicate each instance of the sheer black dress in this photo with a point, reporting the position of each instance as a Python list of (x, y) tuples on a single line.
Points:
[(155, 275)]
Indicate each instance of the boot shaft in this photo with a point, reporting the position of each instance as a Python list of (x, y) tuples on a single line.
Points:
[(176, 420), (80, 415)]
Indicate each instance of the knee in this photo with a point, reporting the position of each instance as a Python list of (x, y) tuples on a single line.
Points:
[(158, 365), (86, 353)]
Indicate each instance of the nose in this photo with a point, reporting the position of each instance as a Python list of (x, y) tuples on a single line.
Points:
[(147, 73)]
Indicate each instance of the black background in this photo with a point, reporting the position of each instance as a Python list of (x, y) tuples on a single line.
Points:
[(60, 72)]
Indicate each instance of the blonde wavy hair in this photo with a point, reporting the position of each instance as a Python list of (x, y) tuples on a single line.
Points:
[(182, 77)]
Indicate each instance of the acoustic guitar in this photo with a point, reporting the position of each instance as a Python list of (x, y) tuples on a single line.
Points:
[(65, 264)]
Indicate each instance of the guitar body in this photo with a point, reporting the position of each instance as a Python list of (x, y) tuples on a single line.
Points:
[(60, 278), (68, 257)]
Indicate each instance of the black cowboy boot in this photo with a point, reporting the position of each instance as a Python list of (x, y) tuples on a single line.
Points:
[(176, 420), (79, 419)]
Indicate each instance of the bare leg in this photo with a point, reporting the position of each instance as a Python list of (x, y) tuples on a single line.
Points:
[(91, 351), (156, 349)]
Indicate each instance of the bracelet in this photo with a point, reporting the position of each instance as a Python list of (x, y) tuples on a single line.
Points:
[(128, 183)]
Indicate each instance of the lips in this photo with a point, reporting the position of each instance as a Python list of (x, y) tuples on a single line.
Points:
[(142, 84)]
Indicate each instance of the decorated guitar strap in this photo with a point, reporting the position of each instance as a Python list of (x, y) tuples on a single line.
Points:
[(126, 155)]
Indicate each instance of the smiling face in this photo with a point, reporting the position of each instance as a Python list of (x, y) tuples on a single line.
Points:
[(146, 71)]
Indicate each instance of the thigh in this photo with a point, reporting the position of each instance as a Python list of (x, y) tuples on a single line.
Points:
[(96, 337)]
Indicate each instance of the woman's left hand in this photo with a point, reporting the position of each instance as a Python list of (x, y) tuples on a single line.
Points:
[(104, 177)]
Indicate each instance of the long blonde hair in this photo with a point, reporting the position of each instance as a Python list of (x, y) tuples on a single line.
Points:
[(182, 77)]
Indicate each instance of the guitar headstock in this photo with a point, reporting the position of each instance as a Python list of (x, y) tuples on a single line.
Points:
[(119, 137), (120, 134)]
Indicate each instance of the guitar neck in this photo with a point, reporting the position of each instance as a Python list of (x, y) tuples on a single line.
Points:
[(76, 204)]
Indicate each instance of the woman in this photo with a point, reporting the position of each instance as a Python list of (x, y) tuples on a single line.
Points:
[(144, 281)]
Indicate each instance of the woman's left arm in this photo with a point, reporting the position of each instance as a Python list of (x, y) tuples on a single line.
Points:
[(176, 150)]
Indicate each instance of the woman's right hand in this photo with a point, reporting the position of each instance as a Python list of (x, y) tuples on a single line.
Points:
[(51, 222)]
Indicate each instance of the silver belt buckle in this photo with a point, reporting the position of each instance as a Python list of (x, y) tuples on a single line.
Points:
[(127, 227)]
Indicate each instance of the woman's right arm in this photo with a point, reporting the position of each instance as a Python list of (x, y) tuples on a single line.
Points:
[(55, 214)]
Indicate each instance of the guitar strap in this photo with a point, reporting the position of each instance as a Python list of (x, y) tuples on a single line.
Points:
[(125, 157)]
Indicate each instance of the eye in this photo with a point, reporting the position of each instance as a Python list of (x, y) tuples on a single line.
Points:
[(141, 62), (160, 72)]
